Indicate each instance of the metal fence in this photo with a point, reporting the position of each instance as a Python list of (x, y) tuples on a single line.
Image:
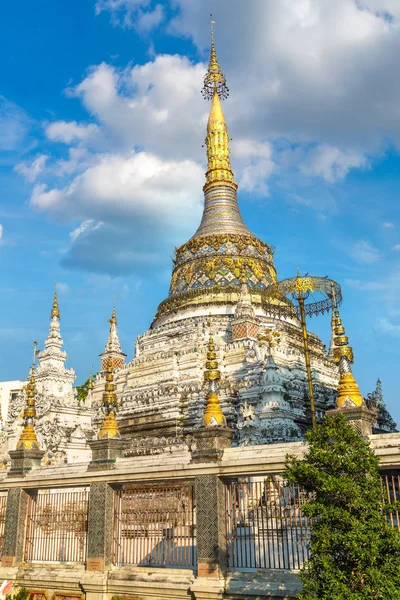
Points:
[(391, 493), (155, 525), (266, 528), (3, 507), (57, 526)]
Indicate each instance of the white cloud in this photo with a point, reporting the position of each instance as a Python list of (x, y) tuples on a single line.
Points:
[(149, 20), (1, 232), (388, 225), (396, 247), (330, 163), (149, 105), (32, 170), (255, 163), (363, 252), (132, 13), (69, 132), (131, 206)]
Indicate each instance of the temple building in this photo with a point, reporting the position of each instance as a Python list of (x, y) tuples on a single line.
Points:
[(159, 397), (217, 281), (64, 424)]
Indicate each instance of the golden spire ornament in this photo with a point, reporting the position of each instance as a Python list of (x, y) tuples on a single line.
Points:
[(348, 393), (214, 79), (109, 428), (90, 382), (113, 319), (55, 311), (28, 439), (217, 141), (213, 415)]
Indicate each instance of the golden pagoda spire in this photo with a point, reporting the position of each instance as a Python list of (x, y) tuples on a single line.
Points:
[(113, 319), (28, 439), (109, 428), (112, 350), (217, 141), (213, 415), (348, 391), (90, 382), (55, 311)]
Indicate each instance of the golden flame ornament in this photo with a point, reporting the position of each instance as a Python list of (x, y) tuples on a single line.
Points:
[(109, 428), (213, 415), (348, 393), (28, 439)]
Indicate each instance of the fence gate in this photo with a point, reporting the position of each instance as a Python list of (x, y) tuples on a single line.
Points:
[(57, 526), (155, 525), (266, 528)]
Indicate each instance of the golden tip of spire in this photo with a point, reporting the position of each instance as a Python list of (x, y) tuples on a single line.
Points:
[(55, 311), (214, 79), (113, 316), (90, 382)]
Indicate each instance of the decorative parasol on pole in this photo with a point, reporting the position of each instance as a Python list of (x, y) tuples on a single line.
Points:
[(314, 296)]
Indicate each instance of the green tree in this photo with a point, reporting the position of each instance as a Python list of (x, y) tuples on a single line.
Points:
[(82, 390), (354, 554), (22, 594)]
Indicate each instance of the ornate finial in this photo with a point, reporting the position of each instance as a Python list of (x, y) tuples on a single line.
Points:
[(28, 439), (219, 171), (272, 338), (55, 312), (214, 79), (113, 319), (90, 382), (213, 415), (112, 351), (109, 428), (348, 390)]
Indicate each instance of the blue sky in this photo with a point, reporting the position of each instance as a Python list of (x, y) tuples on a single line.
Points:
[(101, 160)]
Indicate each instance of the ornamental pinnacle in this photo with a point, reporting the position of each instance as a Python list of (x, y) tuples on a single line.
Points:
[(109, 428), (348, 391), (28, 439), (213, 415)]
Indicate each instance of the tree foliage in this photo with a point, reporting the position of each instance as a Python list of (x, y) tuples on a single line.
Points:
[(354, 554), (22, 594), (82, 390)]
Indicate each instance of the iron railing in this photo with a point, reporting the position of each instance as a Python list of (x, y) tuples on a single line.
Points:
[(57, 526), (266, 528), (391, 493), (155, 525), (3, 507)]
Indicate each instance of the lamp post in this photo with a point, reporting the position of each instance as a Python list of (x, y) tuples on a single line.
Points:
[(278, 297)]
